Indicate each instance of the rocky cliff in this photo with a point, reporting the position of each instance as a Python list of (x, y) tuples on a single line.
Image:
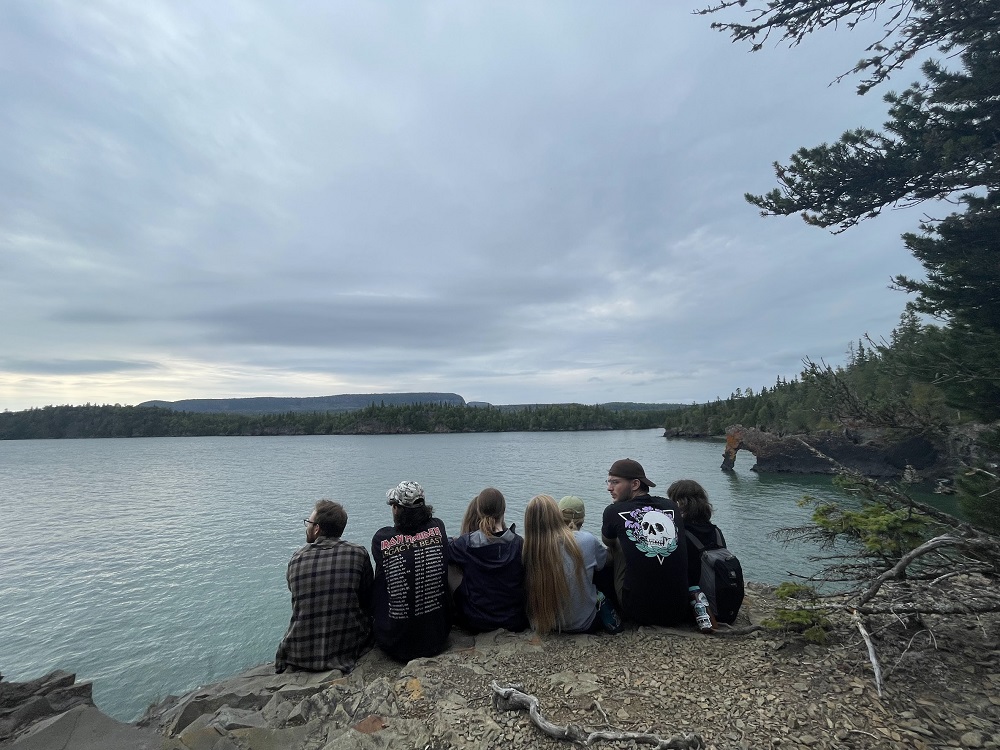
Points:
[(872, 453)]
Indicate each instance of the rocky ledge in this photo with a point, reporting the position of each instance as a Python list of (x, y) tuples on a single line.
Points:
[(762, 690), (873, 453)]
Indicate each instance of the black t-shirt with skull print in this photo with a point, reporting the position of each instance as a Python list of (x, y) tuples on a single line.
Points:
[(650, 535)]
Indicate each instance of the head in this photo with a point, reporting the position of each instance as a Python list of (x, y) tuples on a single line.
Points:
[(692, 500), (490, 507), (573, 511), (327, 519), (409, 506), (542, 516), (627, 479)]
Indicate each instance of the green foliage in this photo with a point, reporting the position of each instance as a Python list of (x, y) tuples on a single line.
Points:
[(139, 421), (881, 531), (789, 590), (811, 622)]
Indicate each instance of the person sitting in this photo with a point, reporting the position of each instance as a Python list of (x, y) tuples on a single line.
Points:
[(573, 511), (412, 611), (559, 566), (331, 583), (645, 537), (491, 594), (696, 511)]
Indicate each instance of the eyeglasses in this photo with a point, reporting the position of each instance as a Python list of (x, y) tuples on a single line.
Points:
[(306, 522)]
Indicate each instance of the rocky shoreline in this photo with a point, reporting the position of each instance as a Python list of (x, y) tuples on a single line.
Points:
[(761, 690)]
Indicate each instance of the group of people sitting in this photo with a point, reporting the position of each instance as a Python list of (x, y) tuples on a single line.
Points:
[(554, 578)]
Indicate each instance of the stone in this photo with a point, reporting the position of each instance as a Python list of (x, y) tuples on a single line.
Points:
[(86, 728), (972, 739), (266, 738), (227, 718)]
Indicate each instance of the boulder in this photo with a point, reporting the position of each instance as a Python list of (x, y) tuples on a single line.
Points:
[(22, 704)]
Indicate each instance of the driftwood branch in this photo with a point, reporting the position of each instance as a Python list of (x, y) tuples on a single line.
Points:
[(510, 698), (871, 652)]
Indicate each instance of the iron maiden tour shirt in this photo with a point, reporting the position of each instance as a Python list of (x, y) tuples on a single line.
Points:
[(412, 618)]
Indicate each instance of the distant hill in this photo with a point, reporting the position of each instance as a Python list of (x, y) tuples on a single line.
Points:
[(279, 405)]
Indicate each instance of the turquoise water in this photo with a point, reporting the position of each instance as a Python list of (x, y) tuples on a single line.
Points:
[(151, 566)]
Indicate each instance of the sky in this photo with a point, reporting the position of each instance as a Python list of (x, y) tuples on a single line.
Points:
[(518, 202)]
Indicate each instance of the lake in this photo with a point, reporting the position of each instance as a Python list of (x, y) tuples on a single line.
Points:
[(151, 566)]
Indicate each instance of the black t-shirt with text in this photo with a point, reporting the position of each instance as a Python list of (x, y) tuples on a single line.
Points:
[(412, 616)]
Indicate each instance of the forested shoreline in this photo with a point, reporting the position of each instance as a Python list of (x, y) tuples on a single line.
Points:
[(107, 421)]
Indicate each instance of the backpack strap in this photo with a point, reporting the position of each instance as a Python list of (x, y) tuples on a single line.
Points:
[(692, 539), (718, 538)]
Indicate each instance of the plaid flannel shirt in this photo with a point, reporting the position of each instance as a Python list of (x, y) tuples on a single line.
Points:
[(331, 581)]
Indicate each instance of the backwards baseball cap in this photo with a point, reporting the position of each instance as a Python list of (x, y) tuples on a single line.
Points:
[(408, 494), (572, 508), (626, 468)]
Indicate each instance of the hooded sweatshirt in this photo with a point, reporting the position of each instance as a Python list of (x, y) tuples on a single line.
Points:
[(491, 594)]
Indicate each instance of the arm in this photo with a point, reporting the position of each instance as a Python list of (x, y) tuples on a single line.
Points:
[(366, 585), (608, 533)]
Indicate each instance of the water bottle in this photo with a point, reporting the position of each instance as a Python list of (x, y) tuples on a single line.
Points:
[(700, 605)]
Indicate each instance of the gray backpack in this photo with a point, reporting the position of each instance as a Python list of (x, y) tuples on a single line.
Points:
[(721, 578)]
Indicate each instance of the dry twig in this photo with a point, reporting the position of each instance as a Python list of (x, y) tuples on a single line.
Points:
[(510, 698)]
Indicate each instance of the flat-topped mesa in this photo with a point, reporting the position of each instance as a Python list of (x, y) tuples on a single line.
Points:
[(876, 453)]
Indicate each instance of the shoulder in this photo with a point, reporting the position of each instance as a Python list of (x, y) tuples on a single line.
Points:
[(384, 533), (300, 553), (344, 547), (585, 538)]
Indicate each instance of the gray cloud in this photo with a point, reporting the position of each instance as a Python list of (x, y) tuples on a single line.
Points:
[(516, 202), (74, 366)]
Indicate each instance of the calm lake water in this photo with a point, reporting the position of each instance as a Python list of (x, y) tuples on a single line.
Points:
[(151, 566)]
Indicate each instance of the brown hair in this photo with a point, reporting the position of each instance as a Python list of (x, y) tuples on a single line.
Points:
[(545, 537), (490, 507), (470, 521), (692, 499), (331, 517)]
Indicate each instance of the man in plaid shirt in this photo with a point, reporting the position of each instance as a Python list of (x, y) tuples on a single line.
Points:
[(331, 581)]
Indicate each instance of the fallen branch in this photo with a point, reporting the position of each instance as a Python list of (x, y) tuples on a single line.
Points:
[(871, 652), (945, 540), (510, 698), (747, 630)]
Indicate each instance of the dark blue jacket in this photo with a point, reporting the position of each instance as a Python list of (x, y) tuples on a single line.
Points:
[(491, 594)]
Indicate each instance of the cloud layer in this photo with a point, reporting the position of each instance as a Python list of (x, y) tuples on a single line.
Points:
[(517, 202)]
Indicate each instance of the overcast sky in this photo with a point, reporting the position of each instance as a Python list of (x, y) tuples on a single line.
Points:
[(513, 201)]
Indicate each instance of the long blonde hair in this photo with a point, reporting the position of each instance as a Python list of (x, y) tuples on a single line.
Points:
[(490, 507), (545, 536)]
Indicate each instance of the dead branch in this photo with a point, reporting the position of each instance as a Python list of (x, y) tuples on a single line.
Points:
[(510, 698), (732, 632), (871, 651), (944, 540)]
